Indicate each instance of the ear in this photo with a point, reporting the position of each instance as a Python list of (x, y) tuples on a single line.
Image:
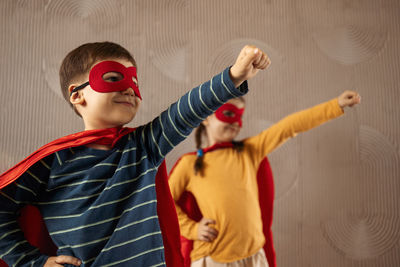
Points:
[(209, 119), (76, 98), (205, 122)]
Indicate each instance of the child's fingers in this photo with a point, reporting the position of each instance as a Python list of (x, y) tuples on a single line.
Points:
[(258, 59), (212, 232), (349, 99), (267, 63), (63, 259), (354, 100), (263, 62), (51, 263), (352, 97), (209, 234), (205, 238), (248, 55), (358, 99), (208, 221), (205, 232)]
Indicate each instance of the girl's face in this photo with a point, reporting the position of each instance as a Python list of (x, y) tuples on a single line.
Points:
[(219, 131)]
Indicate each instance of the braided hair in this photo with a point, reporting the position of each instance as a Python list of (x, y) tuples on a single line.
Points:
[(198, 136)]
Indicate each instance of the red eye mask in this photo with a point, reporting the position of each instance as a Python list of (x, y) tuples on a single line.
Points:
[(123, 78), (230, 113)]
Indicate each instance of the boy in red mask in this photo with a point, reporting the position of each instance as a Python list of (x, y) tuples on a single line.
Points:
[(97, 190)]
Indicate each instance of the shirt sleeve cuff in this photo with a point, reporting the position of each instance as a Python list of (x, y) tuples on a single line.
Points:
[(336, 108), (239, 91)]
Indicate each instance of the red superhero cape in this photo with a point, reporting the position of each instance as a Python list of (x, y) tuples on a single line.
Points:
[(32, 223), (188, 204)]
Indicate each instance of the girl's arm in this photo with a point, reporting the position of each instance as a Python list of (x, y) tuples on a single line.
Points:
[(298, 122)]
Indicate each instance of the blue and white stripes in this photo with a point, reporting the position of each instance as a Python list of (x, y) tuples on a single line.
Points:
[(101, 206)]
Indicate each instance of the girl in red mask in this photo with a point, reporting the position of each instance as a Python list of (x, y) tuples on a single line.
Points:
[(222, 177)]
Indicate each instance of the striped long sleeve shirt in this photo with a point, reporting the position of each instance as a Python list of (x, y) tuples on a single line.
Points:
[(100, 205)]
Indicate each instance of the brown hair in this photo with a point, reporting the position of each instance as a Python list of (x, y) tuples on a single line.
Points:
[(79, 61), (201, 132)]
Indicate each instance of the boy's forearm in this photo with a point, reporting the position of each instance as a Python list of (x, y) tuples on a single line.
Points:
[(177, 122), (203, 100), (236, 81)]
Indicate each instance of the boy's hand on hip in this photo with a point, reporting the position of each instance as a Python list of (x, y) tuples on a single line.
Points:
[(349, 99), (59, 261), (205, 232), (250, 60)]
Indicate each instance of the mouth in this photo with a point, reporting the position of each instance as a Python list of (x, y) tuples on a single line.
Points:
[(232, 127), (125, 103)]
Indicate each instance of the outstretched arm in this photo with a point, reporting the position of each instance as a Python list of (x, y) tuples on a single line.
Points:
[(298, 122), (177, 122)]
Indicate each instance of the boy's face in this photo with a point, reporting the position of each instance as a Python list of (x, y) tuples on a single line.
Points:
[(219, 131), (106, 110)]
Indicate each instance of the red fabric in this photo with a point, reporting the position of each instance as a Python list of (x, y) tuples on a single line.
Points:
[(237, 114), (266, 194), (35, 231), (98, 83), (104, 137), (32, 223), (188, 204), (168, 219)]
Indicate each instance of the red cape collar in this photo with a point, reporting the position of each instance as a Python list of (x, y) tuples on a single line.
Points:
[(217, 146), (108, 136)]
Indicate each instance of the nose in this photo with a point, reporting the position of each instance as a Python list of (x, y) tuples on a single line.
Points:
[(237, 124), (129, 91)]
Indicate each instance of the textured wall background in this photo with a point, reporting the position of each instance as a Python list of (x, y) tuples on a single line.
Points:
[(337, 186)]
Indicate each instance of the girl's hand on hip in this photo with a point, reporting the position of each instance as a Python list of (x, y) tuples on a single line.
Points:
[(205, 232)]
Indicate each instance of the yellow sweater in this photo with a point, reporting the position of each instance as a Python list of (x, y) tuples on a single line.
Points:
[(228, 193)]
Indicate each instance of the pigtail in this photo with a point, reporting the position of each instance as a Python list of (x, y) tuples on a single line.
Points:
[(198, 164)]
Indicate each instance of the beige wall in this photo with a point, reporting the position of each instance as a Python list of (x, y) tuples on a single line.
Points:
[(337, 186)]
